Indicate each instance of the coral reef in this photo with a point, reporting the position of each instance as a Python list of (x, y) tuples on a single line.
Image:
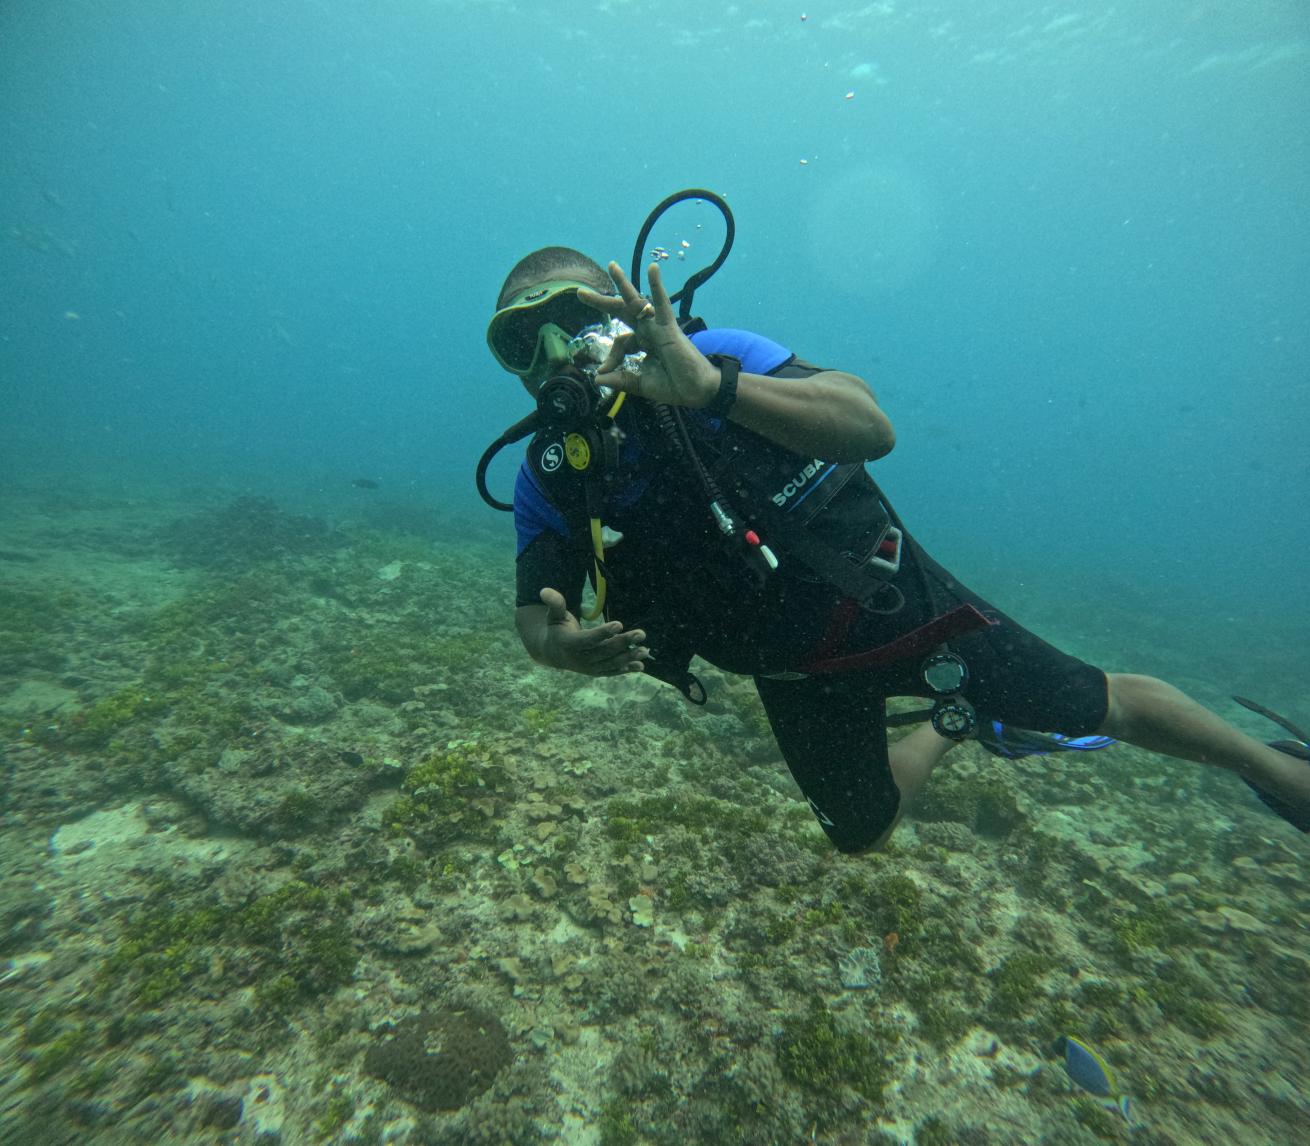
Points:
[(242, 533), (32, 620), (816, 1052), (860, 968), (441, 1060), (298, 846), (289, 942)]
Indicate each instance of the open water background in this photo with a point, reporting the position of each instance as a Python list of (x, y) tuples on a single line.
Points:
[(252, 248)]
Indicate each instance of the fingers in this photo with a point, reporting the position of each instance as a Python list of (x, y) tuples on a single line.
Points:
[(628, 298), (557, 612), (660, 297), (631, 654), (607, 650), (610, 640), (631, 311), (610, 304), (638, 306), (601, 650), (635, 306), (629, 304), (629, 292), (623, 346)]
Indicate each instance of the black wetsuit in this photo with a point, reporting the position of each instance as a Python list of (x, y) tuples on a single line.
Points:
[(672, 576)]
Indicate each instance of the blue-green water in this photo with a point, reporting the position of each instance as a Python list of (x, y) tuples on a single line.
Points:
[(250, 250), (1067, 247)]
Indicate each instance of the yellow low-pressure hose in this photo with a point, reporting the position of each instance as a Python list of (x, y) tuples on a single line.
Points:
[(597, 542), (597, 548)]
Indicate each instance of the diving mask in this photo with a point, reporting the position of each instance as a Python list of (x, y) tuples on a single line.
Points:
[(515, 334)]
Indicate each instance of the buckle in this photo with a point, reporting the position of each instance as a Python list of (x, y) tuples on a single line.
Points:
[(887, 556)]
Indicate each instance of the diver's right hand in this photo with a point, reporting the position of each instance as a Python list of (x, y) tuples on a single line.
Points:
[(601, 650)]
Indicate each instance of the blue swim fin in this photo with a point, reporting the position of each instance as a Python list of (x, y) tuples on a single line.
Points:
[(1008, 742)]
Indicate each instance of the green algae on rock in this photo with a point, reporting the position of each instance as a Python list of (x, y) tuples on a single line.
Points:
[(819, 1055), (293, 941)]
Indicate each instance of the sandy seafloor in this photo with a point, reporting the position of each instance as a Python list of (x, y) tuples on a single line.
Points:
[(297, 846)]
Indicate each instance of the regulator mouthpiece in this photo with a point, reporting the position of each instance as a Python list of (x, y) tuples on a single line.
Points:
[(592, 346)]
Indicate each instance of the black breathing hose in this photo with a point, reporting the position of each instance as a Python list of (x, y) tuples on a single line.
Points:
[(517, 432), (684, 296)]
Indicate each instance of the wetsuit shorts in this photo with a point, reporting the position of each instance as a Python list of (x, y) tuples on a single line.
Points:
[(832, 728)]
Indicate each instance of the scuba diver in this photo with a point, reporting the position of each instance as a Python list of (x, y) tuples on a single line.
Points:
[(712, 486)]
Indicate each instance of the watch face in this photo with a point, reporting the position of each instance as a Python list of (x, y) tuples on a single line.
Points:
[(944, 673)]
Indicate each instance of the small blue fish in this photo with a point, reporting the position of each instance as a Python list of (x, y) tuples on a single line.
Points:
[(1091, 1072)]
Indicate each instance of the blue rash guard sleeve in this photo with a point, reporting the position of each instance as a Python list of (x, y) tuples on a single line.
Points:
[(533, 511), (757, 354)]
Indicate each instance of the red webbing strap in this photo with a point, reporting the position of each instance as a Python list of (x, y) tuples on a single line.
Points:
[(917, 642), (839, 624)]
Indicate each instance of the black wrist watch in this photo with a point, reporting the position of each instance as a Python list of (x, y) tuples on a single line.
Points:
[(729, 368)]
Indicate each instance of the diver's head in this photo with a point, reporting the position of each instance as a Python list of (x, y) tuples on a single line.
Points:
[(538, 311)]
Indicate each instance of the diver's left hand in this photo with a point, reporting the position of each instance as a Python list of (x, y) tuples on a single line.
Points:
[(673, 371)]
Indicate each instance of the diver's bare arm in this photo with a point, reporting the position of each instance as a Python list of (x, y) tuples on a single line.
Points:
[(830, 415)]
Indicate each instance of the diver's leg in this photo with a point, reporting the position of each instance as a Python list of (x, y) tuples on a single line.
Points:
[(913, 758), (832, 733), (1156, 716)]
